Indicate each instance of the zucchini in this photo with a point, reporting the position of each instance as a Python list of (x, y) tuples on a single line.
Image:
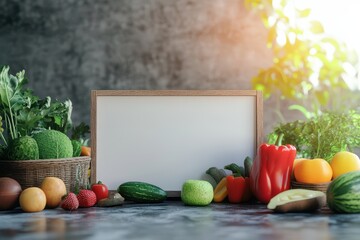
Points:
[(142, 192), (210, 179), (248, 165), (235, 169), (216, 173)]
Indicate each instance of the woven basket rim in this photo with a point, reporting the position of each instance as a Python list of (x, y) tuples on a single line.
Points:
[(310, 184), (81, 158)]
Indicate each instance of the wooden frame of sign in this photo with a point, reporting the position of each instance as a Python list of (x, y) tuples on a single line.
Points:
[(165, 137)]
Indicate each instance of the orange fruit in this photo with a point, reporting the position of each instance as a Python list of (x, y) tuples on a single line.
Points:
[(54, 189), (32, 199), (296, 161), (344, 162), (313, 171)]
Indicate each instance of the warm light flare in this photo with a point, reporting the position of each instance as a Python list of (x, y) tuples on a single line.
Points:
[(340, 20)]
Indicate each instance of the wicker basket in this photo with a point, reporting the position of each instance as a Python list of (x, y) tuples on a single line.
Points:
[(317, 187), (30, 173)]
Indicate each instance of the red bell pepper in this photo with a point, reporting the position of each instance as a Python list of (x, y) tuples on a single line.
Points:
[(247, 191), (271, 170), (235, 188)]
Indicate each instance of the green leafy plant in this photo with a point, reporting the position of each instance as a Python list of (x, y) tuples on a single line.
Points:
[(2, 146), (321, 136), (1, 130), (24, 113), (11, 99), (80, 133)]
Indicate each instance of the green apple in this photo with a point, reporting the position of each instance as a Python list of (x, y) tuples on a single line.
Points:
[(197, 192)]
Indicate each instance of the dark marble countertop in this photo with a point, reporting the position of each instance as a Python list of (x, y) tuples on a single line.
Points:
[(173, 220)]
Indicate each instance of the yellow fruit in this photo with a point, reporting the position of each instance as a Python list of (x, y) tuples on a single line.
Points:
[(54, 189), (32, 199), (344, 162)]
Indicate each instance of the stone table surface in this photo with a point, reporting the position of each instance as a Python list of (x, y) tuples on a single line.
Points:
[(173, 220)]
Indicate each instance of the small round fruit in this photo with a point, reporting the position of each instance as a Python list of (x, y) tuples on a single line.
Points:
[(296, 161), (313, 171), (197, 193), (10, 191), (54, 189), (344, 162), (32, 199)]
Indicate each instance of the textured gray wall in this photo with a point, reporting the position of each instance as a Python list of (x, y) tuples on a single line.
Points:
[(69, 47)]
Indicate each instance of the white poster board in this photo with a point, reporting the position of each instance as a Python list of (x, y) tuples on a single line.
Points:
[(165, 137)]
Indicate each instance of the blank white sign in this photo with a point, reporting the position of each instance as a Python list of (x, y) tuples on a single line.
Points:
[(167, 137)]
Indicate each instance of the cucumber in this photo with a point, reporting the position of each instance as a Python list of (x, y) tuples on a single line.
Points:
[(210, 179), (142, 192), (343, 193), (235, 169), (248, 165), (216, 173)]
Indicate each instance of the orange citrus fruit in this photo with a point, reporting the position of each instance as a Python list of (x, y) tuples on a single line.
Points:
[(54, 189), (313, 171), (32, 199), (344, 162)]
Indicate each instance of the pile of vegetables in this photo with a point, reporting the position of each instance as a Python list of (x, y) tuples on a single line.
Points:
[(24, 114), (267, 180), (234, 187)]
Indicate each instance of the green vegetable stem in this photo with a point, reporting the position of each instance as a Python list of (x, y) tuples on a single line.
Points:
[(11, 98)]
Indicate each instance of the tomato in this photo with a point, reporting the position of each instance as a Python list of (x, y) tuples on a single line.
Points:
[(101, 190), (296, 161), (313, 171)]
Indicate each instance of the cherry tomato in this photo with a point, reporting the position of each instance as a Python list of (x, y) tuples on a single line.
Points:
[(101, 190)]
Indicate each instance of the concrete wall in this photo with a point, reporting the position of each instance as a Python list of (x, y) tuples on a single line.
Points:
[(69, 47)]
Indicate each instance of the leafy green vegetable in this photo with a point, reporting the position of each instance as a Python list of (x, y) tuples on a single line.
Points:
[(80, 132), (11, 98), (1, 131), (25, 114), (45, 114), (321, 136)]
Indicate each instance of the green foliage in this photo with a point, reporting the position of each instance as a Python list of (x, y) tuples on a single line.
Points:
[(44, 114), (11, 98), (25, 114), (76, 148), (3, 150), (1, 133), (321, 136), (307, 64), (80, 133)]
